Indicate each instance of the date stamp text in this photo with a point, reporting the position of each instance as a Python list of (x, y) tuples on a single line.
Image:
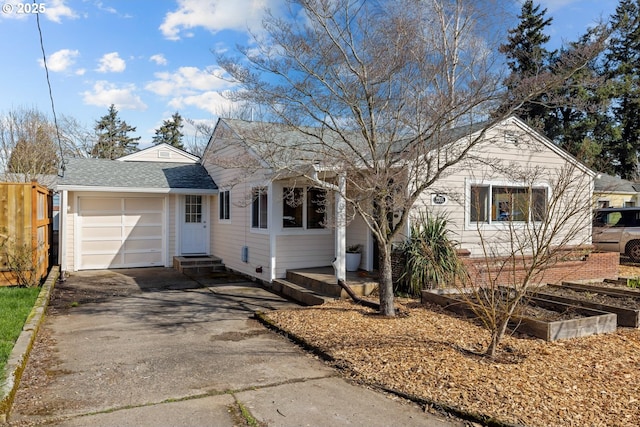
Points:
[(23, 8)]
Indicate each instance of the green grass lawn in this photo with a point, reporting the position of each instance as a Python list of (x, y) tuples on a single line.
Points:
[(15, 305)]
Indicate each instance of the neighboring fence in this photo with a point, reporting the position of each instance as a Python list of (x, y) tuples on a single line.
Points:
[(26, 229)]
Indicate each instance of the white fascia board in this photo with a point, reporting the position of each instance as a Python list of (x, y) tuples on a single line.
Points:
[(163, 146), (86, 188)]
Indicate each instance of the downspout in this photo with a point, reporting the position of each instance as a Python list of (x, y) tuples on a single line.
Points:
[(272, 233), (340, 264), (62, 234)]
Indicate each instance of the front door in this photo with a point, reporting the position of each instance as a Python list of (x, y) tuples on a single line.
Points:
[(195, 233)]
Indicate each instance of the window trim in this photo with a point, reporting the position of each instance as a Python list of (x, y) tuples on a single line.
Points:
[(224, 206), (304, 209), (260, 203), (493, 224)]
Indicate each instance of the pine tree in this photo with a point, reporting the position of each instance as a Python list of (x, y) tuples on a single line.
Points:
[(113, 140), (623, 65), (579, 121), (170, 132), (527, 57)]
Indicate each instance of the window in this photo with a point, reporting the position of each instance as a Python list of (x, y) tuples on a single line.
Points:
[(292, 202), (316, 201), (192, 209), (259, 208), (495, 203), (225, 207), (303, 208)]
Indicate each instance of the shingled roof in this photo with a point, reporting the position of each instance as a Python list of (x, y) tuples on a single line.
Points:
[(159, 176), (604, 183)]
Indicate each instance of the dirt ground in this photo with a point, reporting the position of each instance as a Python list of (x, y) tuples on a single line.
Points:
[(432, 354)]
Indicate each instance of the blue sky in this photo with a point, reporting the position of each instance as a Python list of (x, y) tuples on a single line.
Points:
[(153, 58)]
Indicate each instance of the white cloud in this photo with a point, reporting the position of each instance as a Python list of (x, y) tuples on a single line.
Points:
[(109, 9), (111, 62), (214, 102), (214, 15), (187, 81), (159, 59), (61, 60), (55, 10), (123, 97)]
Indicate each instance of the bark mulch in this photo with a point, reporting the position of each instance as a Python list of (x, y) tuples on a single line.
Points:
[(432, 355)]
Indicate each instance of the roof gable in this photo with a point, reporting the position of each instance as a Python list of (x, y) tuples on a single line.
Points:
[(160, 153)]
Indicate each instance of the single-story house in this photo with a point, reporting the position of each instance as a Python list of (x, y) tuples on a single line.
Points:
[(260, 233), (148, 207), (613, 192)]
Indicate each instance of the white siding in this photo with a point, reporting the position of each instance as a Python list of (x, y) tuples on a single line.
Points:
[(359, 233), (523, 154), (172, 248), (304, 252), (160, 153), (70, 225), (229, 236), (229, 166)]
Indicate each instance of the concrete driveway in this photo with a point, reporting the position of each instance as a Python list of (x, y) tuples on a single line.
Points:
[(151, 347)]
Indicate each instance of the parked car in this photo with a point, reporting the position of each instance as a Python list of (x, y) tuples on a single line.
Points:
[(617, 230)]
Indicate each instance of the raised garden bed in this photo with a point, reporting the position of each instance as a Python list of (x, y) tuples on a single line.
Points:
[(626, 305), (572, 321), (608, 287)]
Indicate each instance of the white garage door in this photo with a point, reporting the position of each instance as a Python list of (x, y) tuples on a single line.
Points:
[(120, 232)]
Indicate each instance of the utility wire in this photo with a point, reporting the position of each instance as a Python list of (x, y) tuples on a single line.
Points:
[(53, 107)]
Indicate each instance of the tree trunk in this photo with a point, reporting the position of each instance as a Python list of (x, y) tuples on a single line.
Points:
[(496, 337), (385, 282), (501, 327)]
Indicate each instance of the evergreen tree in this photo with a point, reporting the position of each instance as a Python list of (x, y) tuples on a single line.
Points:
[(113, 140), (623, 66), (527, 57), (579, 121), (170, 132)]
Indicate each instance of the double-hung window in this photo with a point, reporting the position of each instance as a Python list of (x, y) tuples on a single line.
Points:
[(259, 208), (224, 205), (303, 208), (498, 203)]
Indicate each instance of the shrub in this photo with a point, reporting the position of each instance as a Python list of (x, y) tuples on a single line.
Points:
[(431, 260)]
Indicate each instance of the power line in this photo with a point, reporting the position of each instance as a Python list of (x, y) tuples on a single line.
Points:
[(53, 107)]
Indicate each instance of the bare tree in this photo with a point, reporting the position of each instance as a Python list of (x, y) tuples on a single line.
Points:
[(543, 222), (27, 145), (374, 91), (77, 140)]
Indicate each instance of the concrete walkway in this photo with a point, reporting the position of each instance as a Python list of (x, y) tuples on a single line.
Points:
[(151, 347)]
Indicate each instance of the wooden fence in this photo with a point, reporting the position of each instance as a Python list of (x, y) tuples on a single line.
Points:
[(26, 229)]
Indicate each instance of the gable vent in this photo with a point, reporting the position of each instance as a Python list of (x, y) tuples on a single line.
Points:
[(164, 154)]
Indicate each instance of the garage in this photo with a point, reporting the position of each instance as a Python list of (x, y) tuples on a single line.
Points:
[(130, 212), (120, 232)]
